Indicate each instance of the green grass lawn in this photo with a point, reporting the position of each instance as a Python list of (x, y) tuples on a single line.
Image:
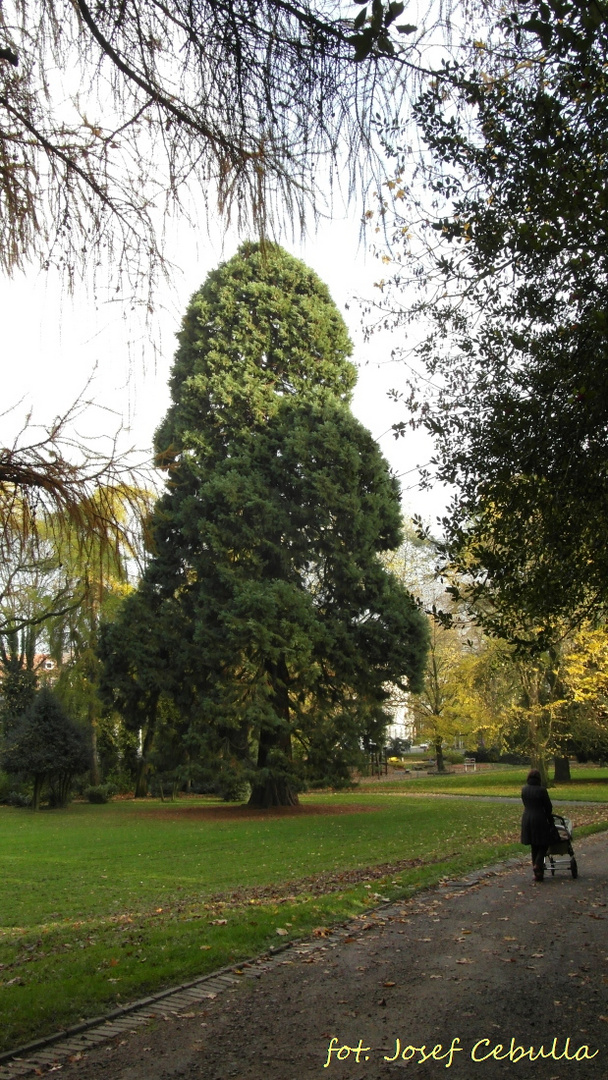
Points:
[(107, 903), (589, 785)]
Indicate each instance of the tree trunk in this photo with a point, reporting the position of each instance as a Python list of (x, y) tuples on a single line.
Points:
[(440, 763), (538, 761), (142, 775), (274, 788), (38, 782), (561, 774), (95, 774)]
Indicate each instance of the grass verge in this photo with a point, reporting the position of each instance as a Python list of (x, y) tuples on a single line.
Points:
[(108, 903), (587, 785)]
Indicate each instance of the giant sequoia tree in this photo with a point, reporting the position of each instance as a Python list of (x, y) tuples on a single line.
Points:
[(277, 504)]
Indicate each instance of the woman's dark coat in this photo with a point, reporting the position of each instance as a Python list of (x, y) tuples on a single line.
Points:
[(536, 822)]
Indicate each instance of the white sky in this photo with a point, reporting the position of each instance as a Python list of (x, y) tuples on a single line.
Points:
[(52, 343)]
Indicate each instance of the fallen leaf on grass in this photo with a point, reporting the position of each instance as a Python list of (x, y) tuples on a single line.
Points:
[(219, 922), (281, 931), (205, 947)]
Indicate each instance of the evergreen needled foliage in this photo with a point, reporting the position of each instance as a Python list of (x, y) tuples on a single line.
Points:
[(46, 745), (277, 504)]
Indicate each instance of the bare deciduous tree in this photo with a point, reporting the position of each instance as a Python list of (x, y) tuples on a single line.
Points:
[(110, 110)]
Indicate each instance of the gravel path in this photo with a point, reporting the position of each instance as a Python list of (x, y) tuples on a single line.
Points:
[(436, 983)]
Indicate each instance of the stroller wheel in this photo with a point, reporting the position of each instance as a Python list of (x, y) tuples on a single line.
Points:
[(573, 867)]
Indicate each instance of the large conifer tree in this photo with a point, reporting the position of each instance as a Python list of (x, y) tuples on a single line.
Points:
[(277, 504)]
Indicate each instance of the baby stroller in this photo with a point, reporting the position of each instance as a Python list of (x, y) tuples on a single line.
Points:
[(560, 855)]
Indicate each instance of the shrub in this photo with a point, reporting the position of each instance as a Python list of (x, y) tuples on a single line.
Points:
[(99, 793), (453, 757), (46, 745)]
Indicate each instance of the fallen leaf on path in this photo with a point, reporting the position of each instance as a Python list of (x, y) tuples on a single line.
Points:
[(465, 960), (389, 983)]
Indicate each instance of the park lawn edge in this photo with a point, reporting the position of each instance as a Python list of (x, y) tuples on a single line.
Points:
[(235, 942)]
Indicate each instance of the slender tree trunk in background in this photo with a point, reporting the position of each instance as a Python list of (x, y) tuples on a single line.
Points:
[(142, 776), (561, 773), (439, 756), (95, 773), (538, 761), (38, 782)]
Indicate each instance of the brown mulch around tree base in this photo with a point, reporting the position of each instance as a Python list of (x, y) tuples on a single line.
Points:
[(248, 813)]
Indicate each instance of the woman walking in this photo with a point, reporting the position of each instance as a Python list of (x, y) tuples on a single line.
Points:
[(537, 821)]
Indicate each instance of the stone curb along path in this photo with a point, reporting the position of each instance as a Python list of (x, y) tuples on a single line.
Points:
[(53, 1050), (493, 965)]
